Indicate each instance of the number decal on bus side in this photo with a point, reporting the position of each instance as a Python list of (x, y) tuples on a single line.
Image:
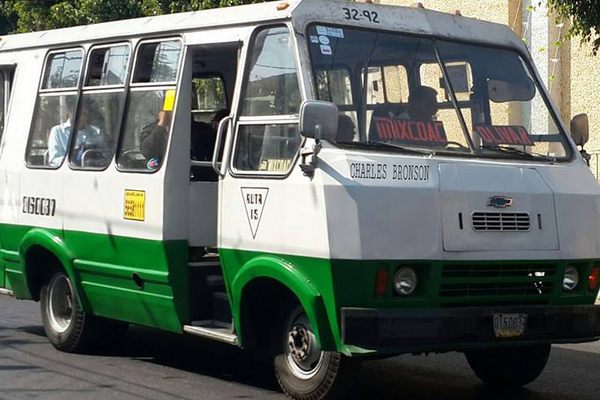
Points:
[(356, 15), (39, 206)]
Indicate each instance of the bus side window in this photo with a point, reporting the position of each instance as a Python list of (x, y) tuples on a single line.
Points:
[(102, 101), (150, 106), (272, 89), (54, 110)]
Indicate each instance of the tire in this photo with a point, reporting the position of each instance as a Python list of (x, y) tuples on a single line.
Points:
[(303, 370), (509, 367), (67, 326)]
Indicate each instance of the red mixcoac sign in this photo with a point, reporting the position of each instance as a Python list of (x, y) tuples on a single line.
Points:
[(414, 132), (494, 135)]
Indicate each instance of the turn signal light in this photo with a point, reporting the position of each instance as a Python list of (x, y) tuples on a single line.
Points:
[(381, 282), (594, 278)]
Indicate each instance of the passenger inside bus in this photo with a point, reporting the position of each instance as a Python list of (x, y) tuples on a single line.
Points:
[(58, 139), (422, 104), (204, 136), (153, 139)]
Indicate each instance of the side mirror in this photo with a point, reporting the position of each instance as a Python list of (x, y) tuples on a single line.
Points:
[(319, 120), (580, 129)]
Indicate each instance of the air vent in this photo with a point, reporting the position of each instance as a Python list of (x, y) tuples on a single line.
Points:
[(501, 222)]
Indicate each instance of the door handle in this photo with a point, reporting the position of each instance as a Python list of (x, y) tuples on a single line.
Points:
[(215, 159)]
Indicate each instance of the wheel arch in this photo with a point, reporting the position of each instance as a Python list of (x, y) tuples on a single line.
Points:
[(278, 275), (37, 244)]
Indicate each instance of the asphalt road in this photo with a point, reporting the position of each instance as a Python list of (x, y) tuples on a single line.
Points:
[(155, 365)]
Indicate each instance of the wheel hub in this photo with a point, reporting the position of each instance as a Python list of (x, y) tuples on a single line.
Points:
[(60, 304), (299, 342), (303, 353)]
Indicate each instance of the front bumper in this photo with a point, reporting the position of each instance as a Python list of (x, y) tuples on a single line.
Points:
[(456, 329)]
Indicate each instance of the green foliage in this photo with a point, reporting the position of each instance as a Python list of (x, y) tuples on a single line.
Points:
[(34, 15), (585, 15)]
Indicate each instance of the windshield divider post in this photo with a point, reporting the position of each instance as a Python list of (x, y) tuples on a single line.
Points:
[(461, 117)]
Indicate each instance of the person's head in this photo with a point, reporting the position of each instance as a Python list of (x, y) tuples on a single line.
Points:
[(422, 103), (84, 115), (219, 115)]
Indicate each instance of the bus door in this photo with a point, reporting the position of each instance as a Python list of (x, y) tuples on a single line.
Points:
[(260, 188)]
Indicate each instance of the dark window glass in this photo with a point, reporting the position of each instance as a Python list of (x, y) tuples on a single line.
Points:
[(157, 62), (63, 70), (147, 127), (98, 123), (51, 130), (108, 66), (270, 148), (272, 87)]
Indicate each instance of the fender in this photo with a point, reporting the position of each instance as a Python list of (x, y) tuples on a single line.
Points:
[(55, 245), (280, 270)]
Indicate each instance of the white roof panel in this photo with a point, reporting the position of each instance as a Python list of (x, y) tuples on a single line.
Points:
[(396, 18)]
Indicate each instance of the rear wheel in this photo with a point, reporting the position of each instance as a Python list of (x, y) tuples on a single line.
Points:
[(303, 370), (67, 326), (509, 367)]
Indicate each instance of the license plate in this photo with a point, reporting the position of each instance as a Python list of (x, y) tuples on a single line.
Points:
[(509, 325)]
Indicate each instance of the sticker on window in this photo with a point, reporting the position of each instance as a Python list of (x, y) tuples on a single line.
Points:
[(275, 165), (335, 32), (497, 134), (326, 50), (169, 103), (314, 39), (321, 30), (413, 132)]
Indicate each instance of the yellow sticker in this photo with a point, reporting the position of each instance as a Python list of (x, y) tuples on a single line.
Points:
[(135, 205), (169, 103)]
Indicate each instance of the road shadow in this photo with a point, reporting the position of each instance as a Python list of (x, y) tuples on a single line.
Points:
[(195, 355), (443, 377)]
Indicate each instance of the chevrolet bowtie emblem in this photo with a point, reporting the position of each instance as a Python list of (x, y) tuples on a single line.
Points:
[(500, 202)]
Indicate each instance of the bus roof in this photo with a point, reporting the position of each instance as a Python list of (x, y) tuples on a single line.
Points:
[(402, 19)]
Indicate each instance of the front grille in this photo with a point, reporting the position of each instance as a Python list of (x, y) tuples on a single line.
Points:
[(501, 221), (470, 285)]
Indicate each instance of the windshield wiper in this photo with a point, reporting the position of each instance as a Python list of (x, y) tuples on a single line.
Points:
[(512, 150), (386, 145)]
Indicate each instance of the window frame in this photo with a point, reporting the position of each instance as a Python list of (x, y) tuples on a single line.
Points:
[(124, 88), (49, 54), (130, 87), (74, 90), (5, 94), (135, 58), (85, 87), (283, 119)]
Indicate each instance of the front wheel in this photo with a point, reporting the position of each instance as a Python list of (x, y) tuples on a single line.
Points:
[(509, 367), (303, 370)]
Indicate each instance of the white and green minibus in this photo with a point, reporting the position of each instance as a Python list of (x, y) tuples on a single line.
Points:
[(316, 180)]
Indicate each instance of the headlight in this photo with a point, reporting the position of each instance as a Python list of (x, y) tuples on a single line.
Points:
[(405, 281), (571, 280)]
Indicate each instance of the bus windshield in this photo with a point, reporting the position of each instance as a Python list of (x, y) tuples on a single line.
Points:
[(415, 93)]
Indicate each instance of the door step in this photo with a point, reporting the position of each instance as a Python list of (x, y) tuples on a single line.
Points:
[(214, 330), (7, 292)]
